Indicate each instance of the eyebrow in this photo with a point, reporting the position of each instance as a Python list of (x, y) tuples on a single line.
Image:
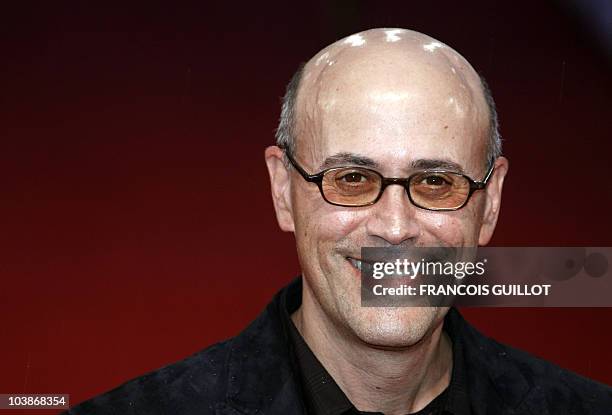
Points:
[(347, 159), (343, 159), (427, 164)]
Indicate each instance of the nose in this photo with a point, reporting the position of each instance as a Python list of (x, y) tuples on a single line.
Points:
[(393, 217)]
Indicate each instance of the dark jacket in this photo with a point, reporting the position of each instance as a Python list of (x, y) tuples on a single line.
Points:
[(251, 374)]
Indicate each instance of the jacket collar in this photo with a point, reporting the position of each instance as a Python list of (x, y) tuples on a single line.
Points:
[(260, 376), (496, 383), (261, 379)]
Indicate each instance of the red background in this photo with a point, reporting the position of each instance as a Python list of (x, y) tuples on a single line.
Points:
[(137, 225)]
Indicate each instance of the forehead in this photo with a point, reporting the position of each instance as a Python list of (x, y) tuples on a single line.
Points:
[(392, 102)]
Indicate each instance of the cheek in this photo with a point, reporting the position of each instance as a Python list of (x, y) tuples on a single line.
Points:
[(342, 222), (320, 233), (450, 228), (332, 225), (318, 222)]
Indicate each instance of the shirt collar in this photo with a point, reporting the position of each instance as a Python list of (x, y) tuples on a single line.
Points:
[(322, 395)]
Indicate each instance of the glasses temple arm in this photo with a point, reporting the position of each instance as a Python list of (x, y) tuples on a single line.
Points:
[(308, 177), (489, 172)]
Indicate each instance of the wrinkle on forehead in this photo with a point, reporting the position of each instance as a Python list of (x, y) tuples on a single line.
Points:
[(384, 67)]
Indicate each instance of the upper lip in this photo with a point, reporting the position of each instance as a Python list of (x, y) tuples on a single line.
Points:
[(360, 260)]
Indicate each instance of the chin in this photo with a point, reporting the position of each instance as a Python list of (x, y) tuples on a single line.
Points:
[(395, 327)]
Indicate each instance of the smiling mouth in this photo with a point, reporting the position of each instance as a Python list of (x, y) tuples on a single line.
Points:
[(358, 263)]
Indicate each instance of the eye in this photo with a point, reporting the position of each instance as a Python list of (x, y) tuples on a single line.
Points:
[(353, 177), (435, 180)]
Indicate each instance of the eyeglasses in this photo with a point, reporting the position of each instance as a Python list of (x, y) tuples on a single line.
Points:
[(438, 190)]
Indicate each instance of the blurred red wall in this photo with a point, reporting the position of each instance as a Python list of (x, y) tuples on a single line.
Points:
[(136, 221)]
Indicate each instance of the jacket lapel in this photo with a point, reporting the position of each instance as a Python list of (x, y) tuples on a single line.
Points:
[(496, 383), (260, 376), (261, 379)]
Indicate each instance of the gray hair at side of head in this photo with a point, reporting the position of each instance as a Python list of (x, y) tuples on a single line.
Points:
[(494, 149), (286, 131)]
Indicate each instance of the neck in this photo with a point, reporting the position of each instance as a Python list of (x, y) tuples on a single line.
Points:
[(392, 381)]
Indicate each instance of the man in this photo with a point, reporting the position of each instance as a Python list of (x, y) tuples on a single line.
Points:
[(382, 103)]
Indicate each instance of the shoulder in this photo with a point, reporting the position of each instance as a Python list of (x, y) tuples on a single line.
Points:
[(249, 369), (526, 383), (559, 389), (192, 385)]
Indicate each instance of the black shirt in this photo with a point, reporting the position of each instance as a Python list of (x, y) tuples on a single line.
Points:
[(252, 373), (323, 396)]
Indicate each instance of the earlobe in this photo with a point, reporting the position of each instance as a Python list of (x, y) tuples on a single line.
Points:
[(493, 201), (280, 183)]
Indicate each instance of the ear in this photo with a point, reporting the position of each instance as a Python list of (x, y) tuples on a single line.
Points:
[(280, 182), (493, 200)]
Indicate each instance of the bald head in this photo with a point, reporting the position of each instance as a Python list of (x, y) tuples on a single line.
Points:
[(396, 102), (371, 72)]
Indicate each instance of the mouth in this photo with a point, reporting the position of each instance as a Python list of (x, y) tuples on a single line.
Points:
[(356, 263), (360, 264)]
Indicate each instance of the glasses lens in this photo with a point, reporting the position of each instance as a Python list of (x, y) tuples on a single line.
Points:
[(437, 190), (351, 186)]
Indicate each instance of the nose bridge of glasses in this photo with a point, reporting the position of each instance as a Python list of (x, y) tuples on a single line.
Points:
[(392, 216), (387, 181)]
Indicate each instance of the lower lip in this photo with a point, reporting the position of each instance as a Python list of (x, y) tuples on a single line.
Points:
[(351, 264), (366, 283), (354, 268)]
